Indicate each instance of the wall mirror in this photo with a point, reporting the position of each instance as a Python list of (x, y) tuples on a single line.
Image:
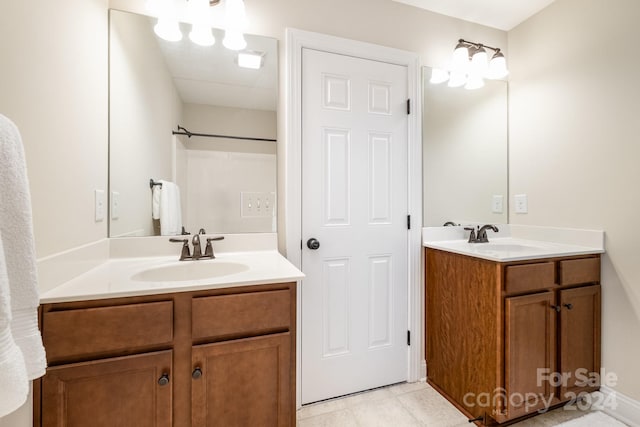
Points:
[(465, 152), (227, 184)]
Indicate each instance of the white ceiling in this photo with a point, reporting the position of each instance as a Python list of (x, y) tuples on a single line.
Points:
[(501, 14)]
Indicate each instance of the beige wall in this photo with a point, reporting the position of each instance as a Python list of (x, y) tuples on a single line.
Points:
[(574, 104), (53, 84), (144, 108)]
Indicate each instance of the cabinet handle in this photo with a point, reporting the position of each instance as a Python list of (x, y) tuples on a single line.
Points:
[(557, 308), (197, 373), (164, 379), (569, 306)]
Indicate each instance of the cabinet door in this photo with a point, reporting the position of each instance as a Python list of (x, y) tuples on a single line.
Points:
[(244, 382), (530, 352), (123, 392), (579, 340)]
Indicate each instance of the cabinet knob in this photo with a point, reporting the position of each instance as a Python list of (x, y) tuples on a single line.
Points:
[(569, 306), (557, 308), (197, 373), (164, 379)]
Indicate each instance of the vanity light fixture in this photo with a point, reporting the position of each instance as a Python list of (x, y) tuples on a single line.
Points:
[(250, 59), (470, 65), (198, 14)]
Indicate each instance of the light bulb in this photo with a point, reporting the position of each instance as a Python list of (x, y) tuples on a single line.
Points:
[(234, 40), (457, 78), (438, 75), (497, 66)]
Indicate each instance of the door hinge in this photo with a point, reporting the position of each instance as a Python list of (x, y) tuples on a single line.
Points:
[(300, 244), (408, 222), (408, 106), (408, 337)]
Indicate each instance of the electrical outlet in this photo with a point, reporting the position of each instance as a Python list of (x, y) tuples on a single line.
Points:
[(115, 205), (99, 205), (496, 204), (521, 203)]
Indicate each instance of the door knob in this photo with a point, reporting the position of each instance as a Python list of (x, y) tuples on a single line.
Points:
[(569, 306), (313, 243)]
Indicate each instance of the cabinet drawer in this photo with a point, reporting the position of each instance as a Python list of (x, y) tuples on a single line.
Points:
[(529, 277), (241, 314), (575, 271), (69, 334)]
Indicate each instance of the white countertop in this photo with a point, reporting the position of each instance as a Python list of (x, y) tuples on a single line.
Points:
[(504, 249), (113, 278), (517, 243)]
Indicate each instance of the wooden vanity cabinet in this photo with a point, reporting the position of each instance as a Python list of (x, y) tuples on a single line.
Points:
[(223, 357), (501, 336)]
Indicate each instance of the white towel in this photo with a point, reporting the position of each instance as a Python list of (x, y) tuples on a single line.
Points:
[(170, 209), (155, 201), (22, 355)]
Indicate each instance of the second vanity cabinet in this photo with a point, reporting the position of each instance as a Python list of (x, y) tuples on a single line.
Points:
[(223, 357), (506, 339)]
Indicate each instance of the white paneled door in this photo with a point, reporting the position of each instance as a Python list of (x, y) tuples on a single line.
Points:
[(354, 224)]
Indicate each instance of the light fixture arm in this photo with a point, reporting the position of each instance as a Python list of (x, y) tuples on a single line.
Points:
[(478, 45)]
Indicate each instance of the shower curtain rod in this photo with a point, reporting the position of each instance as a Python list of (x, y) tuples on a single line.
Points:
[(209, 135)]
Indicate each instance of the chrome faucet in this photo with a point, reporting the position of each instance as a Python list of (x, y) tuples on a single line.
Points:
[(480, 236), (185, 253)]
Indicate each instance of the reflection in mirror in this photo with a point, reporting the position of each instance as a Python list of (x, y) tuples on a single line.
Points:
[(465, 153), (226, 185)]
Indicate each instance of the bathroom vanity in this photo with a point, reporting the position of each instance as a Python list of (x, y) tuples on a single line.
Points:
[(512, 327), (216, 351)]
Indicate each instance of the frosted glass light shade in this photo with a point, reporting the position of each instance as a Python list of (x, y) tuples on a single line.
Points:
[(201, 35), (235, 15), (438, 75), (457, 78), (167, 28), (460, 59), (480, 62), (498, 67), (234, 40), (474, 82)]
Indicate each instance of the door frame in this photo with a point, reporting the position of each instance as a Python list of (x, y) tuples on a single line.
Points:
[(296, 40)]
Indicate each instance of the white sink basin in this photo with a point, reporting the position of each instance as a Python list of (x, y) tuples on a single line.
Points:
[(189, 271)]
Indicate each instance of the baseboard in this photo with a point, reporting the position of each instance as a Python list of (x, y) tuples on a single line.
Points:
[(622, 407), (423, 370)]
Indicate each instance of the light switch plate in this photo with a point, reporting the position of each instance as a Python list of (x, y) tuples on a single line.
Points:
[(99, 205), (497, 203), (521, 204), (115, 205)]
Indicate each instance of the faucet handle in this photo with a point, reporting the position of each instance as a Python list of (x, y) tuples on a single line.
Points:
[(185, 253), (208, 250), (472, 235), (202, 231)]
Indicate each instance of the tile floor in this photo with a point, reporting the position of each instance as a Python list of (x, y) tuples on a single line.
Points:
[(403, 405)]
